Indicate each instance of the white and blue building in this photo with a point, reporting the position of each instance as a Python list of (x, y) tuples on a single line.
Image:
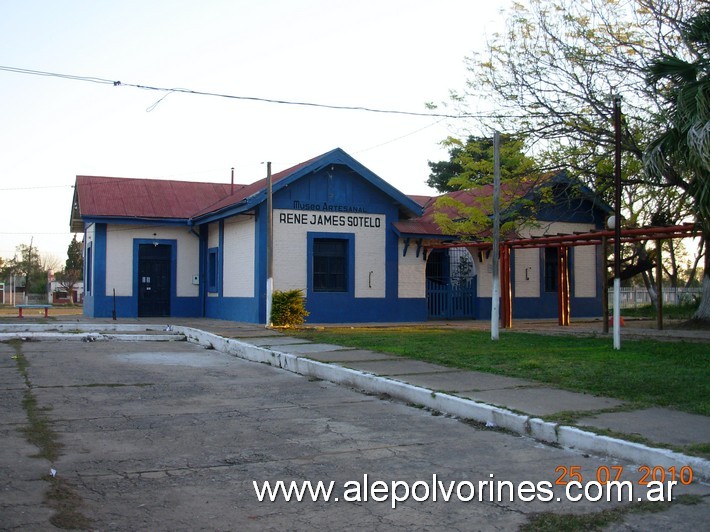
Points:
[(361, 250)]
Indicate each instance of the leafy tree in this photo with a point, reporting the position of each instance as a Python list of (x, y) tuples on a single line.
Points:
[(471, 164), (680, 155), (29, 266), (73, 269), (75, 256), (551, 76)]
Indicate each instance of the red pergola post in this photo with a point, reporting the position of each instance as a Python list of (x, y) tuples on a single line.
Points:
[(563, 298), (506, 288)]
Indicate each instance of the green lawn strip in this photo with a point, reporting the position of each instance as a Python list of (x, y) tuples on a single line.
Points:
[(668, 374), (672, 312)]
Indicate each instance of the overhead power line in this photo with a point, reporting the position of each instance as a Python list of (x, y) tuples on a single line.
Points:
[(116, 83)]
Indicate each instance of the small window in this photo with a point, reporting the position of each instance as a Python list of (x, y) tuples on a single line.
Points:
[(89, 269), (551, 271), (212, 270), (330, 265)]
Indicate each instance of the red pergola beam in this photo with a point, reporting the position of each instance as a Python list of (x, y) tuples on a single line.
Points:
[(593, 238)]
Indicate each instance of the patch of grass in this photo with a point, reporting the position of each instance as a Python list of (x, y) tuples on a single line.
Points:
[(570, 417), (65, 502), (38, 430), (698, 449), (668, 374), (684, 311), (702, 449), (60, 496)]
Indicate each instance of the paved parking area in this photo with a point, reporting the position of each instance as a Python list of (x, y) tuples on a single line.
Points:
[(171, 436)]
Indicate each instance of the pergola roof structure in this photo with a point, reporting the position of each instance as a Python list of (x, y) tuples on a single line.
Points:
[(563, 242)]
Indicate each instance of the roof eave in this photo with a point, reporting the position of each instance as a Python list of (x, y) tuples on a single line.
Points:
[(225, 212), (133, 220)]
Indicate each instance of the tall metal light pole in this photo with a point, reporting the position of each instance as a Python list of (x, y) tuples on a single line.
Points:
[(617, 222), (495, 290)]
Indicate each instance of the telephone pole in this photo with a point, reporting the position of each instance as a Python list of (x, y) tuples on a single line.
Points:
[(495, 290), (617, 222)]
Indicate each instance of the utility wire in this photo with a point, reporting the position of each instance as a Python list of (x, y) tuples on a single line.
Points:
[(40, 187), (103, 81)]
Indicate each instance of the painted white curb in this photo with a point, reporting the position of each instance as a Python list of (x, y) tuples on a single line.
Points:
[(492, 416), (568, 437), (90, 336)]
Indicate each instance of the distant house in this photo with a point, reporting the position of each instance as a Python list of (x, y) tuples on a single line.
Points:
[(60, 296), (361, 250)]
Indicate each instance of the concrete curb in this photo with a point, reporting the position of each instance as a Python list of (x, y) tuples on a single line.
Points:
[(78, 328), (91, 337), (544, 431), (553, 433)]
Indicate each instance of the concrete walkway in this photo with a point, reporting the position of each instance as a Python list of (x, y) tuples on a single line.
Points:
[(602, 425)]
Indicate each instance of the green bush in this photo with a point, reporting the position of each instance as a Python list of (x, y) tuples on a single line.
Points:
[(288, 308)]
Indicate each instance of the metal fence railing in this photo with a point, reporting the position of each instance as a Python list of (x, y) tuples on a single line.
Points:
[(637, 296)]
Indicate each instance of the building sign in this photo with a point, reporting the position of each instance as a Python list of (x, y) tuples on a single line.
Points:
[(330, 220), (325, 207)]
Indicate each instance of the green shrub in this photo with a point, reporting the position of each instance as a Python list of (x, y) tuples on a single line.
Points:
[(288, 308)]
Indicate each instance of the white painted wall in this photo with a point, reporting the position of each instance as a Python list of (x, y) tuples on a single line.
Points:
[(485, 274), (291, 248), (119, 257), (411, 272), (553, 229), (213, 235), (89, 239), (584, 263), (585, 271), (585, 257), (526, 261), (238, 252)]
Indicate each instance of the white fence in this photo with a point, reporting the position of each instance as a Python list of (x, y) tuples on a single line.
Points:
[(637, 296)]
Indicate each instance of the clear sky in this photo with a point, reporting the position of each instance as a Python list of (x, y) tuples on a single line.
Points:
[(386, 54)]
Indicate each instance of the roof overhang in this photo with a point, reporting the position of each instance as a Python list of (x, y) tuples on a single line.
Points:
[(133, 221)]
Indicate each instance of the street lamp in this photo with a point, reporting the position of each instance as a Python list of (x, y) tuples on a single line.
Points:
[(617, 222)]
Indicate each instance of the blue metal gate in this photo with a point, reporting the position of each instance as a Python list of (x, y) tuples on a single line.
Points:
[(451, 301), (451, 285)]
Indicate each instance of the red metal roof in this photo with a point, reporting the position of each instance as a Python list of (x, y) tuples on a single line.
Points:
[(248, 190), (146, 198), (421, 200), (480, 198)]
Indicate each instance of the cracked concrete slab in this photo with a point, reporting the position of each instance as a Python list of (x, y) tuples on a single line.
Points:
[(658, 424), (306, 349), (155, 446), (464, 381), (268, 341), (542, 401), (350, 355), (397, 366)]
